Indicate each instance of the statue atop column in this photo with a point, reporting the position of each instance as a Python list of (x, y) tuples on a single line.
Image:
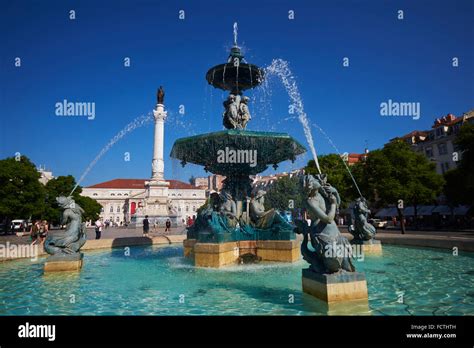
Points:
[(160, 96)]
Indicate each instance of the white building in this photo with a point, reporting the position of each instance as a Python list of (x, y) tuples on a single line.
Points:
[(121, 198), (46, 175)]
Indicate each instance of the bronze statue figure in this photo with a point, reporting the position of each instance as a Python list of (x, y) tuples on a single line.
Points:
[(362, 230), (331, 252), (67, 243), (160, 95)]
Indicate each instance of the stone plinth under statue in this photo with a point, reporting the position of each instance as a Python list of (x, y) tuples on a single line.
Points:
[(336, 287), (64, 263)]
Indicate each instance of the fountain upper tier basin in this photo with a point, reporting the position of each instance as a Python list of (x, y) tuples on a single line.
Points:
[(258, 150), (235, 78)]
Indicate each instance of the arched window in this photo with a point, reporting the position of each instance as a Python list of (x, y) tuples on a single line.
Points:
[(94, 194), (112, 194), (119, 194)]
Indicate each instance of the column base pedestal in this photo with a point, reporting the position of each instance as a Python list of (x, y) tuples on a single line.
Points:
[(63, 263), (335, 288)]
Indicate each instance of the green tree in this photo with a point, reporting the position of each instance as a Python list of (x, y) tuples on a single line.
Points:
[(459, 188), (62, 186), (396, 172), (338, 176), (21, 194), (91, 207), (282, 191)]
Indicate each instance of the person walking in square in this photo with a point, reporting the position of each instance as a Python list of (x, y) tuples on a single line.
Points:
[(146, 226), (167, 225), (98, 228)]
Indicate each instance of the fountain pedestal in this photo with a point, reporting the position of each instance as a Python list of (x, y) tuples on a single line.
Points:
[(368, 247), (336, 287), (216, 255), (64, 263)]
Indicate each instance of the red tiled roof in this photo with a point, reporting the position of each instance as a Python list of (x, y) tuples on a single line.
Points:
[(414, 133), (140, 184)]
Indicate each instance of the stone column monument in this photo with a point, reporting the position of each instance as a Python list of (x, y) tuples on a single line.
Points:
[(157, 165), (155, 200)]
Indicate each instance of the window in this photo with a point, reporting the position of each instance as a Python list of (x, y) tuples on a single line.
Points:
[(112, 194), (442, 149), (94, 194), (117, 219), (194, 208), (111, 208), (102, 209), (119, 194), (439, 131), (118, 208), (194, 195), (187, 208), (125, 194), (429, 152)]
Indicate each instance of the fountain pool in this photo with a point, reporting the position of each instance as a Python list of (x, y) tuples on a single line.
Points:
[(157, 280)]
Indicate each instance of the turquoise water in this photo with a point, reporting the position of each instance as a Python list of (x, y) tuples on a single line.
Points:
[(157, 280)]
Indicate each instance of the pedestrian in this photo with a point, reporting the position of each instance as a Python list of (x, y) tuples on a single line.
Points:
[(98, 228), (146, 226), (167, 225), (34, 232), (43, 232)]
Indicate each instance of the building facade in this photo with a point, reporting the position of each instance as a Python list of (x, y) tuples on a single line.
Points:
[(122, 198), (438, 143)]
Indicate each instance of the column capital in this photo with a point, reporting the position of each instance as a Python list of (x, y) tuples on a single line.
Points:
[(159, 112)]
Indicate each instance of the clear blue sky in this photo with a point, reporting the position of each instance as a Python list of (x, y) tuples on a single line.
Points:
[(82, 60)]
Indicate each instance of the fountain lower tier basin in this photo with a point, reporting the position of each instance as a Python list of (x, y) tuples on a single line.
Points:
[(237, 152), (150, 279)]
